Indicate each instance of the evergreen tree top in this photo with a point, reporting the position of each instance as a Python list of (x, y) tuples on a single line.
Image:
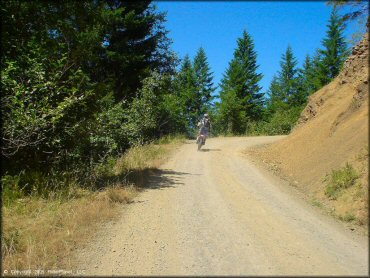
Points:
[(288, 65), (186, 63), (335, 49), (201, 65)]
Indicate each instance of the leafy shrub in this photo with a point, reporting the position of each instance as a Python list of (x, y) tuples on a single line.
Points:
[(281, 122), (45, 107), (36, 183), (108, 137), (341, 179), (11, 189), (157, 111)]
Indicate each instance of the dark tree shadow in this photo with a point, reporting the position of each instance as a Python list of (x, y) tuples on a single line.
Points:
[(149, 178), (210, 150), (156, 179)]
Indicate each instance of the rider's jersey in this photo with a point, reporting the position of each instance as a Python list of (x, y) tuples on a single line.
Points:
[(205, 122), (204, 129)]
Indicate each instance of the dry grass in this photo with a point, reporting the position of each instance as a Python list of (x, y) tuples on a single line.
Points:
[(148, 156), (140, 158), (43, 233), (116, 194), (341, 179)]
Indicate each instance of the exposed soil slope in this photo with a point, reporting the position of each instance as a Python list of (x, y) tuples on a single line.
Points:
[(332, 130), (214, 213)]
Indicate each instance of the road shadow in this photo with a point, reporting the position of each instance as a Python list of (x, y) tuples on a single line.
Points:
[(158, 179), (210, 150), (148, 178)]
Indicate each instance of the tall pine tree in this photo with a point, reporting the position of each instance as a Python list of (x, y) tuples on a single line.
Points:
[(288, 77), (204, 81), (305, 80), (135, 44), (231, 109), (334, 50), (275, 97), (317, 74), (250, 94), (290, 87), (187, 90), (240, 83)]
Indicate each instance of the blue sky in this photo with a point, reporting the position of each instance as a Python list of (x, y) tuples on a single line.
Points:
[(273, 26)]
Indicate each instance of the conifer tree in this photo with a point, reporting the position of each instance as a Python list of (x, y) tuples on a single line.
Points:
[(288, 77), (305, 80), (232, 119), (240, 83), (250, 94), (335, 49), (318, 72), (204, 78), (187, 90), (276, 98)]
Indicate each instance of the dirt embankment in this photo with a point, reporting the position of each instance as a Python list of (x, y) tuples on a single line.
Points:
[(332, 131)]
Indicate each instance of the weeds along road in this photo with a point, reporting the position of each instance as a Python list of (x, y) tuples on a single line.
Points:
[(213, 213)]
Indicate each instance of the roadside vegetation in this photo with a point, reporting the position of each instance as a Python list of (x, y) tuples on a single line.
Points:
[(42, 231), (339, 180), (347, 189), (345, 194)]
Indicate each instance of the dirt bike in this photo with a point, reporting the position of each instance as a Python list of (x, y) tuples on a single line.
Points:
[(201, 141)]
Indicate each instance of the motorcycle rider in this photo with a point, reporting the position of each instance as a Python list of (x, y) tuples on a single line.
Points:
[(204, 127)]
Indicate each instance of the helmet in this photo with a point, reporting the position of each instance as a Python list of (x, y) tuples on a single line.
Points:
[(205, 115)]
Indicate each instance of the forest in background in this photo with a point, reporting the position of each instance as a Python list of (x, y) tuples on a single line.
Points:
[(84, 81)]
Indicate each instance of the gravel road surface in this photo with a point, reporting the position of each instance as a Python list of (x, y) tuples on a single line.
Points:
[(213, 212)]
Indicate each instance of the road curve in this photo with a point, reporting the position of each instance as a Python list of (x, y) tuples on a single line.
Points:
[(214, 213)]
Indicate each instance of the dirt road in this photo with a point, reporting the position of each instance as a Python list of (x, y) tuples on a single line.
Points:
[(214, 213)]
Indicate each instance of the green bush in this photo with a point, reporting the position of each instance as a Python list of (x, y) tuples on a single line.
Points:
[(231, 117), (51, 184), (339, 180), (157, 111), (11, 189), (107, 133), (43, 117), (279, 123)]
